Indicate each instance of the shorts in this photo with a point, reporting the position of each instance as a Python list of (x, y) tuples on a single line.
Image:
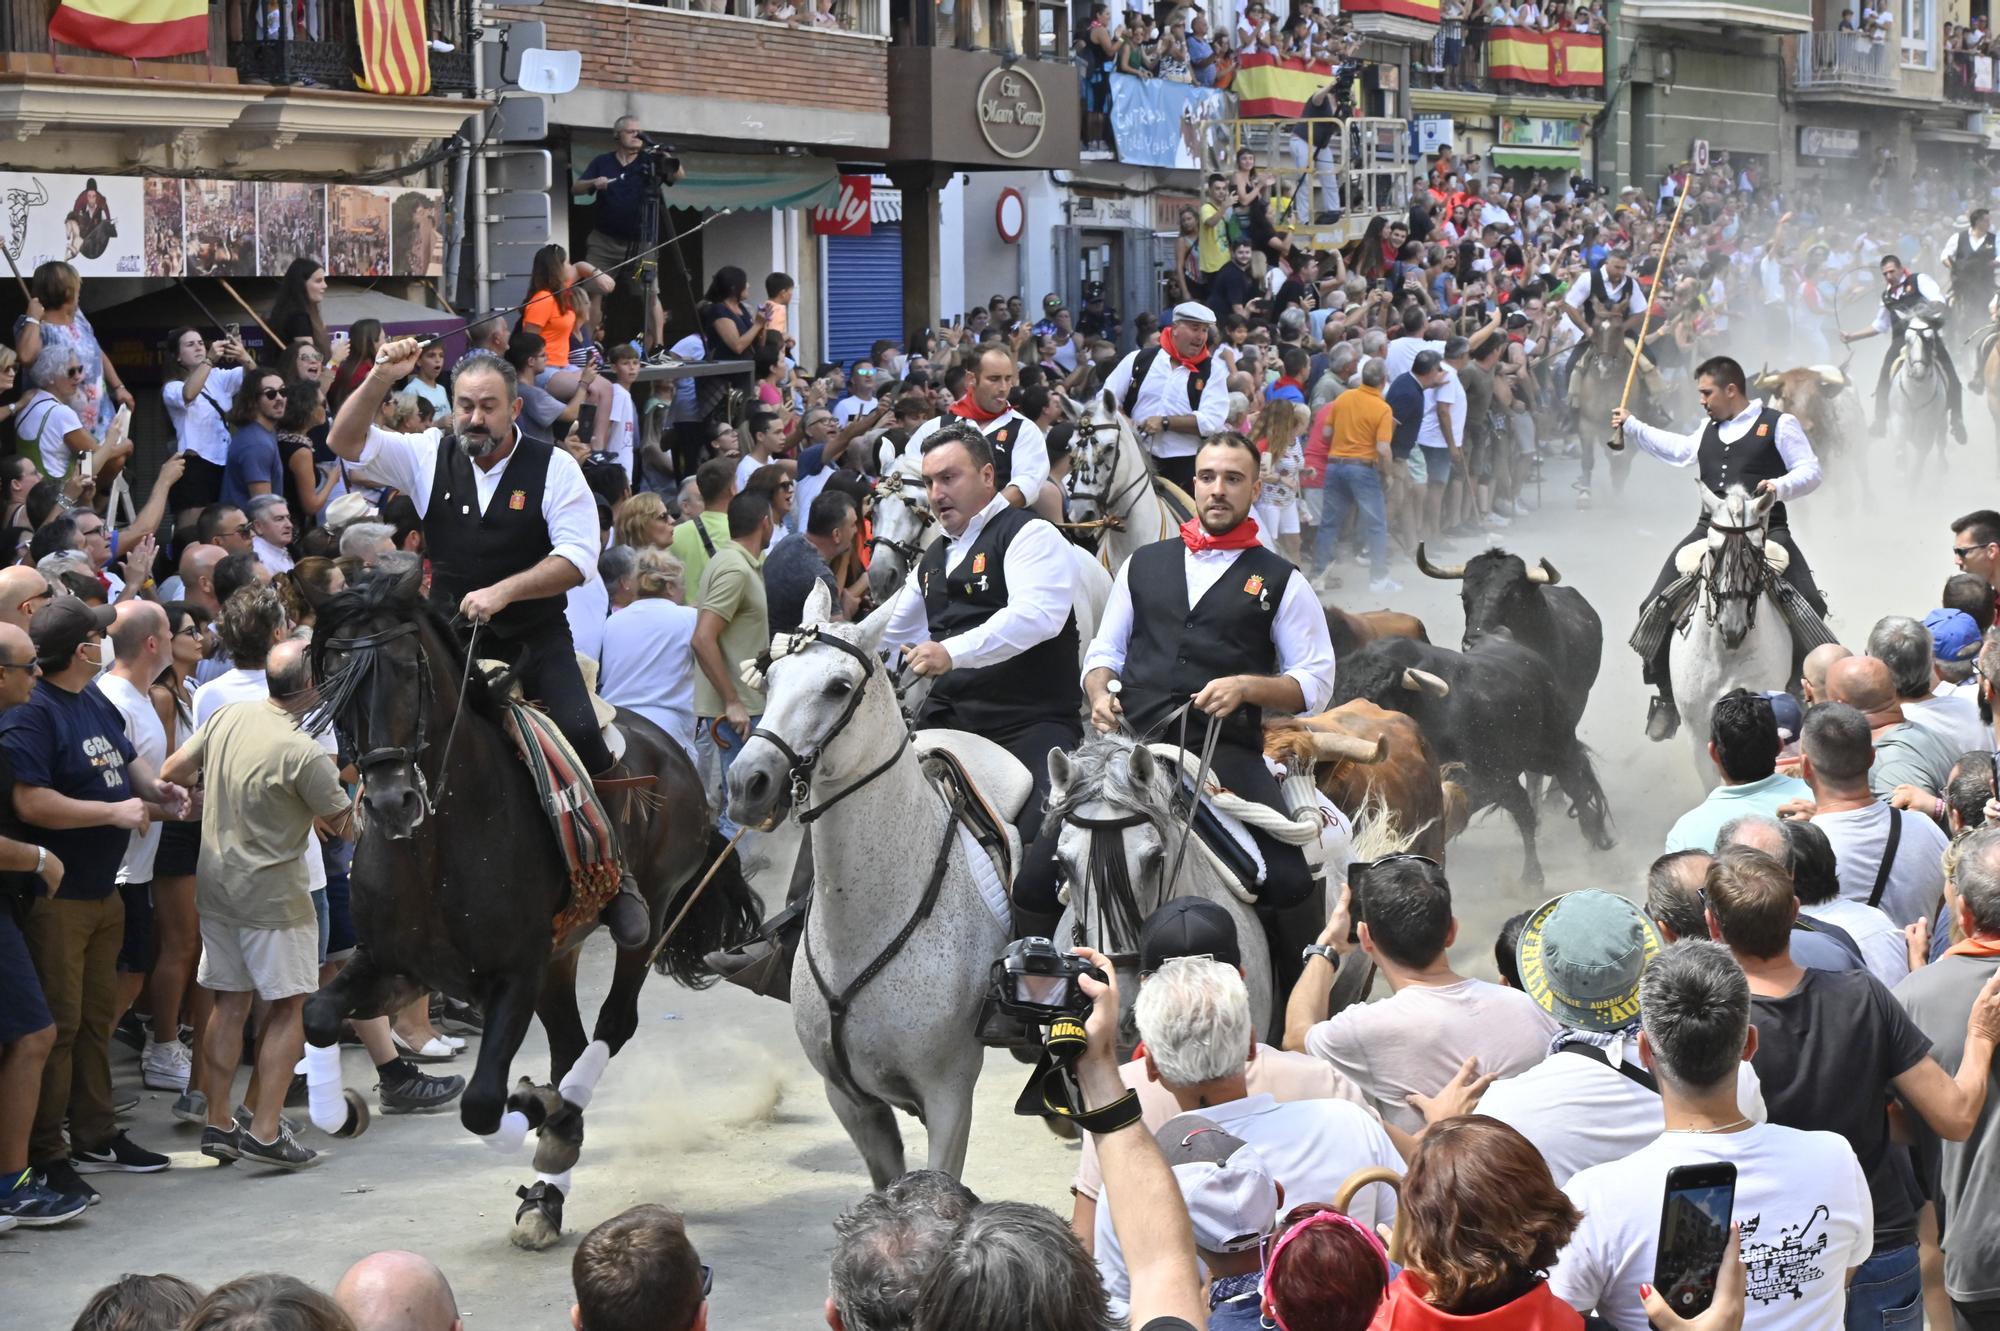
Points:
[(199, 486), (602, 251), (135, 954), (23, 1008), (271, 963), (1437, 465), (1416, 465), (179, 850)]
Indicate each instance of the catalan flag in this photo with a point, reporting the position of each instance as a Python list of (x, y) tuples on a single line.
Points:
[(142, 29), (395, 49)]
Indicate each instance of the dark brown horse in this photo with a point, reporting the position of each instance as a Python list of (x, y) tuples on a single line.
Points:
[(457, 878)]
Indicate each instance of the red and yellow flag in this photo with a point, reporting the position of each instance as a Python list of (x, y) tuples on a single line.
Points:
[(1521, 54), (395, 49), (1268, 86), (1425, 11), (1576, 60), (142, 29)]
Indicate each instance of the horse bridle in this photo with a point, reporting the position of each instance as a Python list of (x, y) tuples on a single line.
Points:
[(892, 486), (1752, 593), (408, 754), (1086, 473), (801, 766)]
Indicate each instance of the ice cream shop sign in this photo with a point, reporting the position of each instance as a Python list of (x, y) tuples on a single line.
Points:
[(1012, 112)]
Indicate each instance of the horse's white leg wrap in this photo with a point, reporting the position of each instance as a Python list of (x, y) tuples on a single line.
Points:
[(323, 1090), (513, 1130), (557, 1180), (581, 1082)]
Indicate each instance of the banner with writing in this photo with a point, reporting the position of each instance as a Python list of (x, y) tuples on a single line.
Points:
[(1157, 123)]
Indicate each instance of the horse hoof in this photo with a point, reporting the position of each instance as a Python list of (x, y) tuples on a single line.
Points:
[(561, 1141), (357, 1114), (537, 1103), (538, 1221)]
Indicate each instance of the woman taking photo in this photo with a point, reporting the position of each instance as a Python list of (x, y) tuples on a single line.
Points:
[(296, 316), (55, 322), (552, 314), (198, 394), (364, 339)]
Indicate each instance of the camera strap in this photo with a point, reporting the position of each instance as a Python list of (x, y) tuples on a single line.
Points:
[(1052, 1089)]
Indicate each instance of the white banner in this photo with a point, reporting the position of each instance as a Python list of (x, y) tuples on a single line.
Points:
[(95, 223)]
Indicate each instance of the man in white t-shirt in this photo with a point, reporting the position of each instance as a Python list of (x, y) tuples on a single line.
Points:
[(1414, 1042), (1591, 1101), (861, 397), (1801, 1199), (1440, 435)]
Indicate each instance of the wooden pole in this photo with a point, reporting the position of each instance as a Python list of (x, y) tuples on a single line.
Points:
[(277, 343), (1616, 443), (15, 270)]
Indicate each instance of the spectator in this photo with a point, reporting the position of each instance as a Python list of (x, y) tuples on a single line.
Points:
[(1413, 1043), (795, 567), (1905, 754), (642, 520), (198, 393), (1673, 894), (1358, 460), (262, 1301), (1743, 743), (1591, 1101), (638, 1271), (253, 467), (1324, 1273), (734, 626), (616, 568), (397, 1291), (1695, 1010), (1884, 949), (1904, 645), (886, 1245), (648, 661), (1955, 639), (697, 541), (271, 531), (1887, 857), (367, 542), (1816, 943), (139, 1303)]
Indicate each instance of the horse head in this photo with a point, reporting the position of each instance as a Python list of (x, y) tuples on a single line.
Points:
[(1607, 339), (904, 526), (1734, 561), (829, 712), (1114, 802), (1104, 445), (376, 683)]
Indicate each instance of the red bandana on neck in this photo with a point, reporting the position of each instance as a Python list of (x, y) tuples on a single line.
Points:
[(1189, 363), (975, 413), (1198, 538)]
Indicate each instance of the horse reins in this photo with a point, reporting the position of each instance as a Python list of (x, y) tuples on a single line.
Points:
[(801, 765), (376, 757), (892, 487), (1108, 504)]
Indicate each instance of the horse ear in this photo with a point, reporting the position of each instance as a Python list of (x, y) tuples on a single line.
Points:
[(1110, 404), (1060, 772), (819, 606), (1142, 766)]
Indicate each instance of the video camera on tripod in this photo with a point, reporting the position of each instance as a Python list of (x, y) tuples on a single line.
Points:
[(659, 161)]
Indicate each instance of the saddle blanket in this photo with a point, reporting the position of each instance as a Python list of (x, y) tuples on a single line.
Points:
[(576, 815), (1673, 607)]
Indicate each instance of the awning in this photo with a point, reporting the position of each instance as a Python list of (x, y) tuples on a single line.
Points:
[(715, 180), (1533, 158)]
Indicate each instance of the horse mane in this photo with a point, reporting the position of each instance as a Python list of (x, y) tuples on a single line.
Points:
[(399, 594), (1099, 773)]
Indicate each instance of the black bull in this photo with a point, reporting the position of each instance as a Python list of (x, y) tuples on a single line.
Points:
[(1497, 709), (1501, 592)]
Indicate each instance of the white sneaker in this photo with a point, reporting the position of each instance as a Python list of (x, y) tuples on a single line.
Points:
[(1384, 586), (1495, 520), (165, 1067)]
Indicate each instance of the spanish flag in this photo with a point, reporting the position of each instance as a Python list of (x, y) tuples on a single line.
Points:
[(141, 29), (1267, 86), (395, 49), (1521, 54), (1424, 11), (1576, 60)]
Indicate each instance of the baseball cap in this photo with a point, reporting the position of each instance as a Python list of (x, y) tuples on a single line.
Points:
[(1231, 1195), (1580, 958), (1188, 927), (61, 626), (1786, 711), (1954, 635)]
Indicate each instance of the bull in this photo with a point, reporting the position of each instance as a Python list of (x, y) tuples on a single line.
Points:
[(1362, 754), (1500, 591), (1812, 394), (1349, 631), (1496, 708)]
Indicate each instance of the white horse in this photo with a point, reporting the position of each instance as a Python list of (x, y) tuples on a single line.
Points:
[(1736, 636), (1917, 393), (899, 940), (1111, 480)]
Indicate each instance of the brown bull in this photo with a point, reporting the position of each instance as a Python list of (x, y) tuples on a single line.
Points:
[(1808, 394), (1361, 750), (1350, 631)]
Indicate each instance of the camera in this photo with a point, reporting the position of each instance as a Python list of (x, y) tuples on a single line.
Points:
[(659, 159), (1035, 981)]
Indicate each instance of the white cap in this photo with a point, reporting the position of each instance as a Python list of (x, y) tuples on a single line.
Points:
[(1193, 311), (1231, 1195), (350, 508)]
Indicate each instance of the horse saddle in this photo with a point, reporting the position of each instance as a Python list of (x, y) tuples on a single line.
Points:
[(1687, 559), (605, 712), (990, 788)]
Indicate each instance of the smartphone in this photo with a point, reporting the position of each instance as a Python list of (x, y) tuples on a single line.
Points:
[(234, 332), (1694, 1229)]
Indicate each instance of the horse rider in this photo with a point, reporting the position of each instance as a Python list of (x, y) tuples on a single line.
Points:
[(1174, 392), (1746, 442), (522, 533), (1905, 295), (1611, 289), (1212, 622), (987, 617), (1020, 450), (1970, 258)]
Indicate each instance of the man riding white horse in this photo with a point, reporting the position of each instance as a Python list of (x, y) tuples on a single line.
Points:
[(1020, 451), (1905, 295), (987, 619), (1746, 442), (509, 526), (1213, 623), (1175, 392)]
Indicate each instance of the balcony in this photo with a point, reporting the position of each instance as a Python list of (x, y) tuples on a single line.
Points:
[(1970, 80), (312, 44), (1842, 63), (1511, 63), (1762, 16)]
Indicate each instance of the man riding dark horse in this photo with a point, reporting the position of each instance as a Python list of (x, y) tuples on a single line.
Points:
[(1748, 443), (1610, 292), (1906, 295), (509, 526)]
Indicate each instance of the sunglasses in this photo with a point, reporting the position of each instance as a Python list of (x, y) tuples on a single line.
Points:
[(273, 394), (1961, 551), (74, 369), (32, 667)]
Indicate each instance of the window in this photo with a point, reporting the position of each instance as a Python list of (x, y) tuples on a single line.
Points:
[(1918, 23)]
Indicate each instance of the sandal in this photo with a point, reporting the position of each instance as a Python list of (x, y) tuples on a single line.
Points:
[(433, 1050)]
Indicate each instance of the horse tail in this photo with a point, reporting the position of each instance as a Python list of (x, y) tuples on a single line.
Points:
[(726, 914)]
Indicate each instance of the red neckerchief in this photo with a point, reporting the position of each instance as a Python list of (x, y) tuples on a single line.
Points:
[(1284, 379), (1188, 363), (978, 415), (1975, 947), (1243, 536)]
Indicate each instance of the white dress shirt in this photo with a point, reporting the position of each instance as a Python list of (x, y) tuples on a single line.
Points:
[(409, 461), (1927, 287), (198, 424), (1629, 295), (275, 558), (1679, 450), (1038, 595), (1164, 394), (1028, 459), (1305, 652)]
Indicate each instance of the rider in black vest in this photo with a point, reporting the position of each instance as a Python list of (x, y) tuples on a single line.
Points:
[(503, 559), (1174, 392), (1020, 451), (1746, 443), (1969, 258), (1610, 291), (1906, 294)]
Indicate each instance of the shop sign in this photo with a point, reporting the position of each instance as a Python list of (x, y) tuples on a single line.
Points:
[(1433, 133), (1539, 132), (1825, 141), (853, 214), (1123, 210), (1012, 112)]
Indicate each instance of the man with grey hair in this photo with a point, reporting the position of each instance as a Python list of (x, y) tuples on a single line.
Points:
[(615, 568), (1694, 1032), (1822, 945), (885, 1246), (1939, 998), (367, 542), (1904, 645), (1887, 857), (397, 1291), (1673, 894), (689, 499), (271, 531)]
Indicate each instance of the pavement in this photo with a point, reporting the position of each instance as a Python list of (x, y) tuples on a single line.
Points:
[(712, 1109)]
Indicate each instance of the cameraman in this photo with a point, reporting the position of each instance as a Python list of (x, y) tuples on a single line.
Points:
[(618, 180)]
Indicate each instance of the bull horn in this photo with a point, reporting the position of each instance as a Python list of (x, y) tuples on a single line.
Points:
[(1545, 575), (1337, 746), (1423, 681), (1431, 570), (1767, 382)]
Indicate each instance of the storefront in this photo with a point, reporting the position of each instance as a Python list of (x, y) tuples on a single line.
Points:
[(861, 265), (1525, 147), (1834, 154)]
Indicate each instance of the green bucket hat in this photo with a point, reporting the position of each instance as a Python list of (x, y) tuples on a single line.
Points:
[(1581, 955)]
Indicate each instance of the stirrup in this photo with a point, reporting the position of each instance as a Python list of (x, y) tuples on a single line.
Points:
[(1663, 719)]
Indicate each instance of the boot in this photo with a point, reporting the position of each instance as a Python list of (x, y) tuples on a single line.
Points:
[(764, 964), (1958, 428), (627, 915)]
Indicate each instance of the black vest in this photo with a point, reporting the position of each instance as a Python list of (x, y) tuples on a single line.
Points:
[(1904, 297), (469, 549), (1142, 365), (1600, 297), (1972, 263), (1751, 459), (1038, 685), (1175, 650)]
